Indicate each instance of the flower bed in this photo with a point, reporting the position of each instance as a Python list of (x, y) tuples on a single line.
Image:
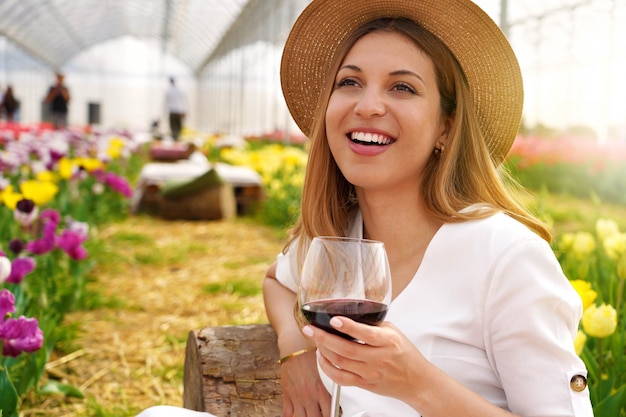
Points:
[(570, 165), (596, 265), (54, 186)]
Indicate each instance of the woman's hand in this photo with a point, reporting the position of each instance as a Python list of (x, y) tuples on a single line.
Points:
[(304, 395), (386, 363)]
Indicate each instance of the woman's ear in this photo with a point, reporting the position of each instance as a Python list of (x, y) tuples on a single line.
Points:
[(447, 126)]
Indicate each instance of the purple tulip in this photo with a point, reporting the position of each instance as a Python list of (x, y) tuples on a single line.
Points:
[(45, 244), (25, 212), (56, 155), (25, 205), (7, 304), (50, 215), (20, 335), (71, 242), (117, 183), (51, 219), (20, 267), (16, 246)]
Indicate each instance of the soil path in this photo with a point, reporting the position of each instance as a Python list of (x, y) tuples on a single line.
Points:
[(163, 280)]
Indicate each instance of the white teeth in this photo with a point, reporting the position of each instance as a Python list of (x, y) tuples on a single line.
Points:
[(371, 138)]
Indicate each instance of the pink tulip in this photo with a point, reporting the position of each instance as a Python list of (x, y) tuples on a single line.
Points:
[(20, 335)]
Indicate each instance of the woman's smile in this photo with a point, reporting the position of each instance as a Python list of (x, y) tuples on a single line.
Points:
[(368, 143), (365, 138)]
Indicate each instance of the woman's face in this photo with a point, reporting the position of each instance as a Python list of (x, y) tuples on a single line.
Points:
[(383, 119)]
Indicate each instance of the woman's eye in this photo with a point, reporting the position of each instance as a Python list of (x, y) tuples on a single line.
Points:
[(404, 87), (346, 82)]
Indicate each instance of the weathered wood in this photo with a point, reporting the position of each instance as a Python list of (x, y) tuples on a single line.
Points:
[(248, 198), (213, 203), (232, 371)]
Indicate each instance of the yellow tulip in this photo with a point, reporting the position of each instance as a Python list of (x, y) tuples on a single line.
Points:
[(116, 144), (606, 228), (89, 164), (615, 245), (41, 192), (46, 176), (10, 198), (567, 239), (66, 168), (584, 290), (583, 245), (600, 321)]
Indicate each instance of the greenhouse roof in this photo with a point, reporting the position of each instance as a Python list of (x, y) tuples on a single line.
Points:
[(197, 32), (194, 31)]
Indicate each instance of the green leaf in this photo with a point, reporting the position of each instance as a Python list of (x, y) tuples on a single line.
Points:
[(55, 387), (612, 405), (9, 398)]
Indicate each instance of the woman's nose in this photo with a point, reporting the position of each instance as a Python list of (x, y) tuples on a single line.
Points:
[(370, 103)]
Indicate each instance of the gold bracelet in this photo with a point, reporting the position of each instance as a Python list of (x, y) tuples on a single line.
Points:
[(296, 353)]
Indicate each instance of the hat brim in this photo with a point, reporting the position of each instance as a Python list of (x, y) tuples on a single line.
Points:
[(480, 47)]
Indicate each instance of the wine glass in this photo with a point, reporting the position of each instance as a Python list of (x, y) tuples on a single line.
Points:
[(347, 277)]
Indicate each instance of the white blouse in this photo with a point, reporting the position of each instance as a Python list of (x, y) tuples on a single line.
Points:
[(491, 307)]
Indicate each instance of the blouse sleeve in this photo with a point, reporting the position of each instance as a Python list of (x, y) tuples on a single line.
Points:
[(531, 315), (287, 271)]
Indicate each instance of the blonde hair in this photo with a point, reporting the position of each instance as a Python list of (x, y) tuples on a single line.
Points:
[(463, 175)]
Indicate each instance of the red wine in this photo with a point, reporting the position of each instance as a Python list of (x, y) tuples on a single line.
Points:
[(319, 312)]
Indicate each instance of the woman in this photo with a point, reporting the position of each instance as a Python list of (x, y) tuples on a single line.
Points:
[(411, 106), (422, 103)]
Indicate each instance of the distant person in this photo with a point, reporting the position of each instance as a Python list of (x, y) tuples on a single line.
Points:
[(176, 107), (155, 130), (58, 98), (9, 104)]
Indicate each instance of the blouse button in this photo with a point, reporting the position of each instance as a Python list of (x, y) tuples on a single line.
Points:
[(578, 383)]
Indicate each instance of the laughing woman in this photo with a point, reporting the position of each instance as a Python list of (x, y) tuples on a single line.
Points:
[(411, 106)]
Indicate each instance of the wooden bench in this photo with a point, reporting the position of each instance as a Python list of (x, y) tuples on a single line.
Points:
[(232, 371)]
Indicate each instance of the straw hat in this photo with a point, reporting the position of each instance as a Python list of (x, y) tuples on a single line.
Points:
[(478, 44)]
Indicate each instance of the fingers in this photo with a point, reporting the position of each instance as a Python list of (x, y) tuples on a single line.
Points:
[(287, 407), (356, 364), (365, 333), (338, 356), (311, 409), (304, 394)]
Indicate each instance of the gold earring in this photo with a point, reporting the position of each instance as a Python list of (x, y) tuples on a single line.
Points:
[(439, 149)]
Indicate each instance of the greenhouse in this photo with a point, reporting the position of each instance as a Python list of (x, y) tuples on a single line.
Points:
[(179, 208), (118, 55)]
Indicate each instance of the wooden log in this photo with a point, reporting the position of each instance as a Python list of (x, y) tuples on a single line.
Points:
[(248, 198), (232, 371), (213, 203)]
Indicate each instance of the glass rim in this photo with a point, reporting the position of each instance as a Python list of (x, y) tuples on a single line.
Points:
[(347, 239)]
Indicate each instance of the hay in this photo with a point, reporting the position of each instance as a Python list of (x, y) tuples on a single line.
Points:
[(131, 357)]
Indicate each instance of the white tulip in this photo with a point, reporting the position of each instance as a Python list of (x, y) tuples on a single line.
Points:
[(5, 268)]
